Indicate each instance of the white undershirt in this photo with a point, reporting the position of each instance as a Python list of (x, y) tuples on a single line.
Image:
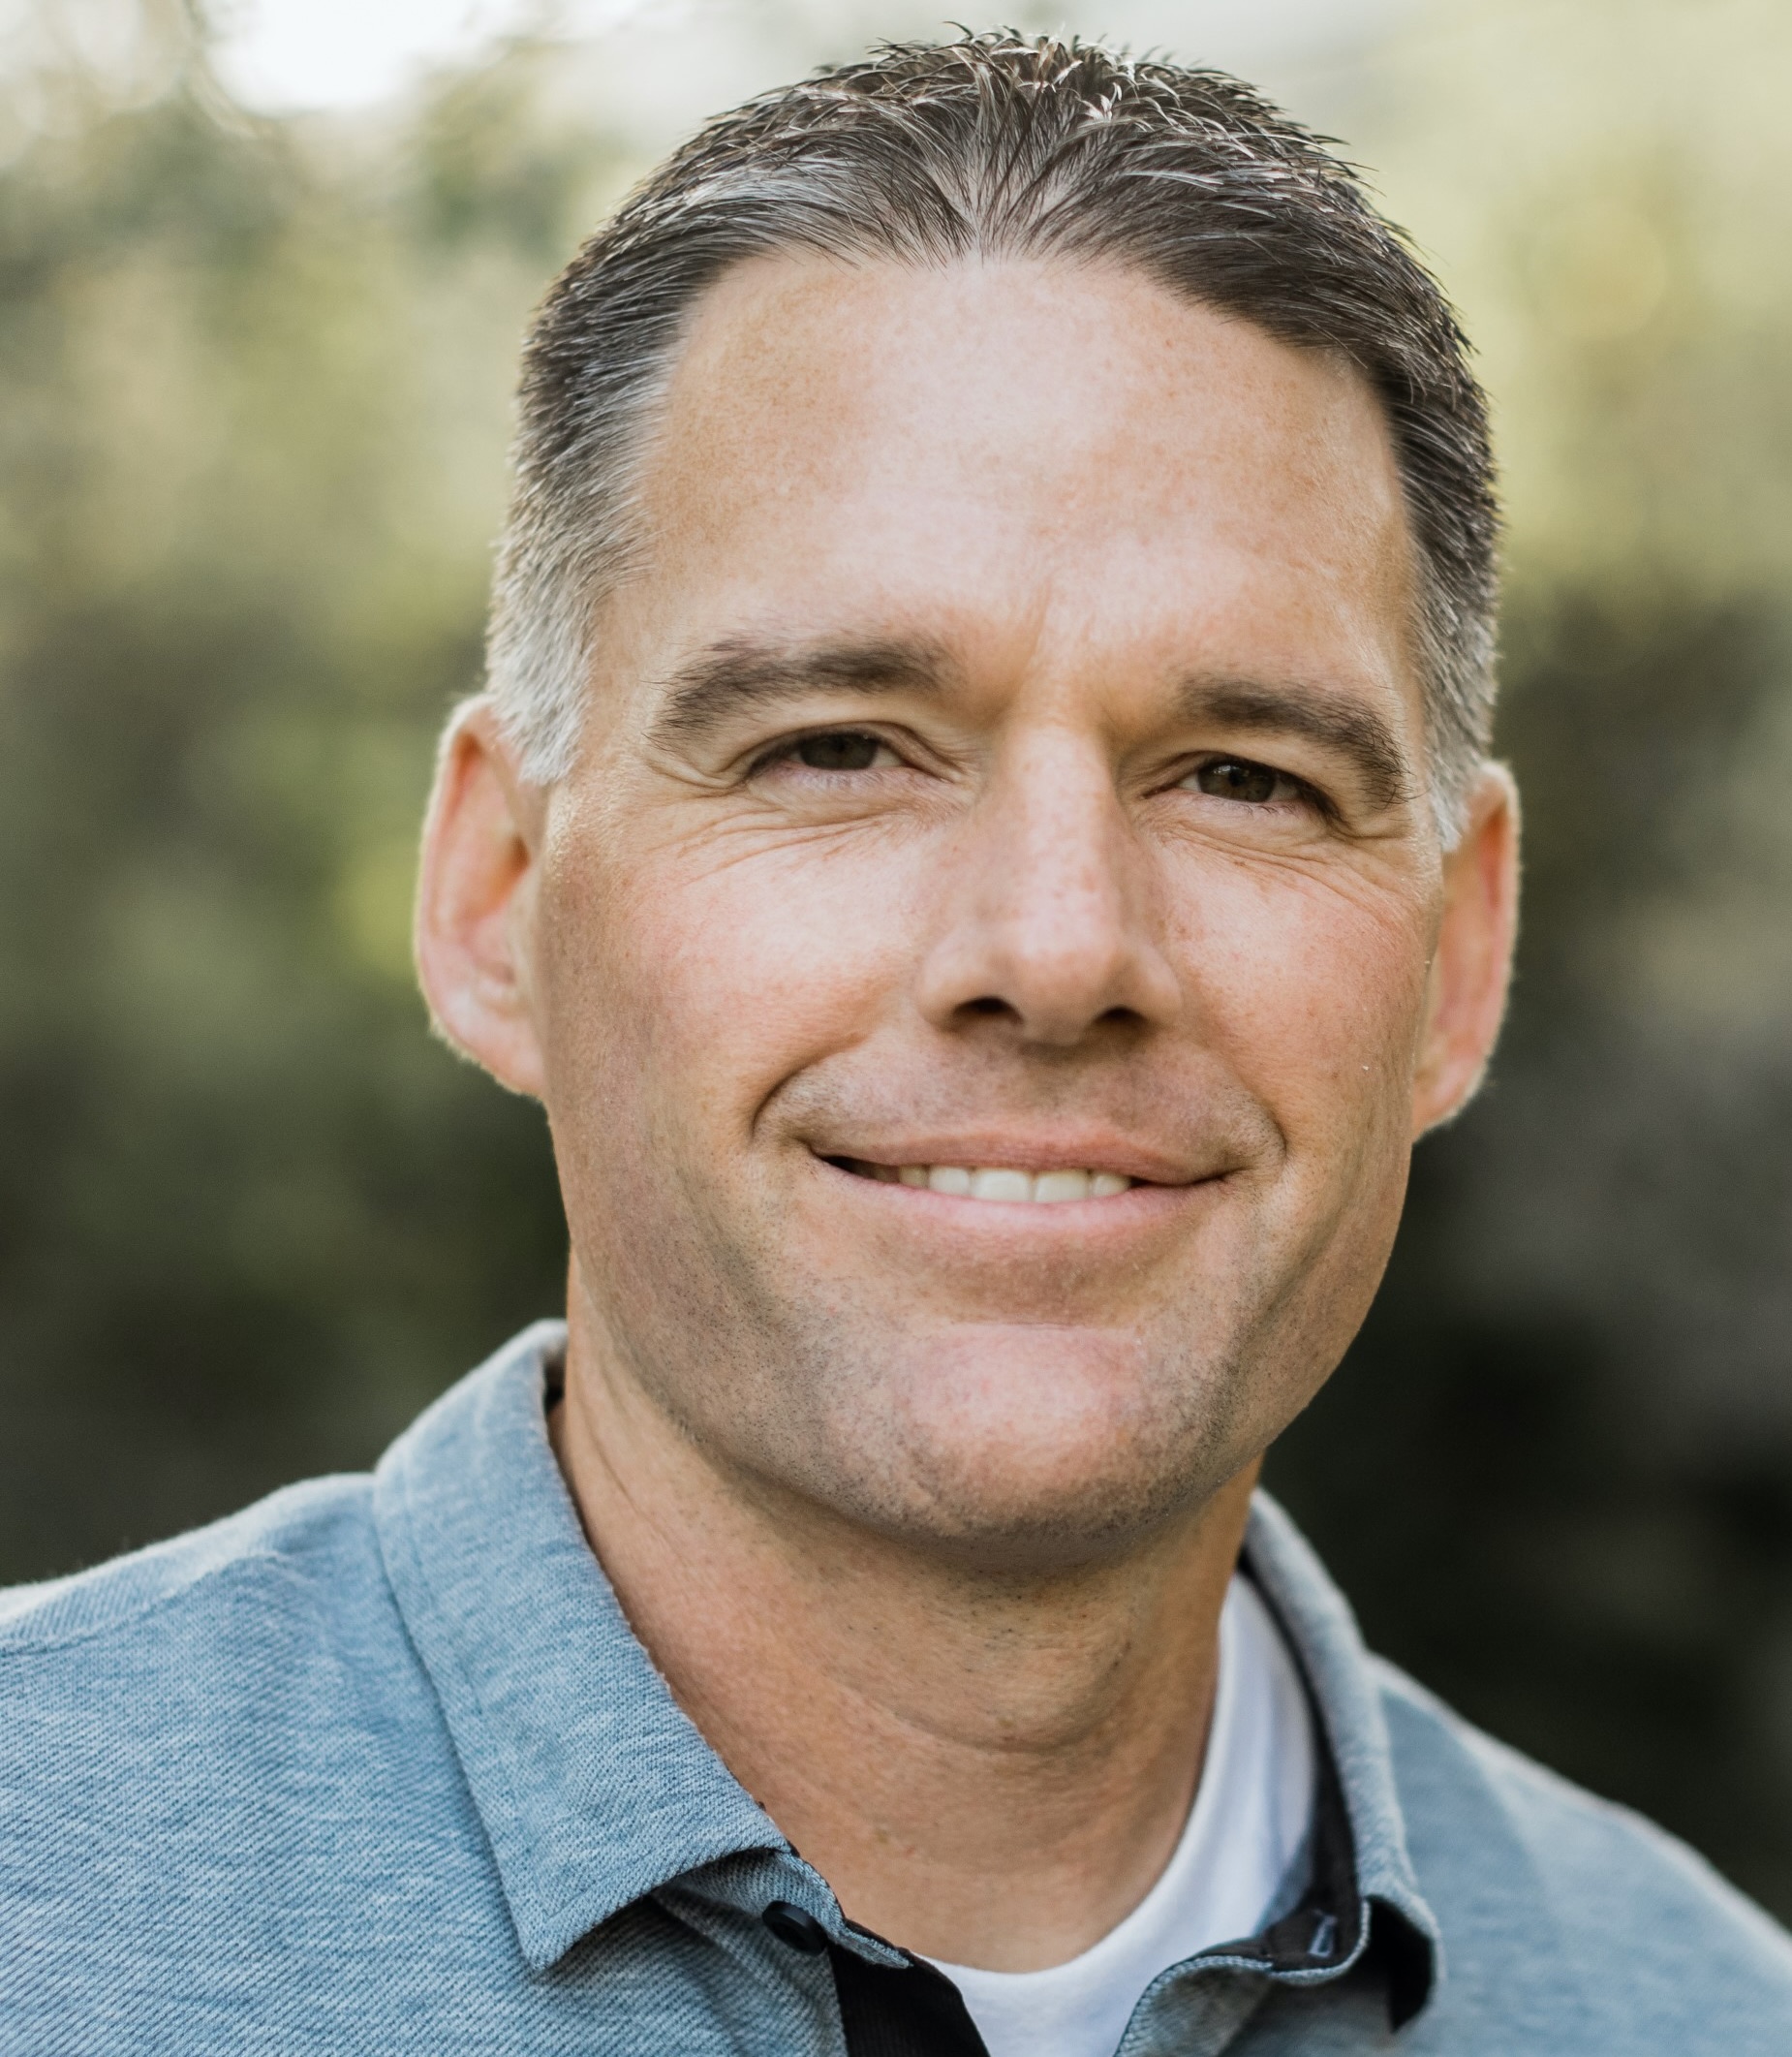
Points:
[(1247, 1825)]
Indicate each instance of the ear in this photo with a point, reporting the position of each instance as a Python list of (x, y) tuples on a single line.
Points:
[(1472, 968), (476, 901)]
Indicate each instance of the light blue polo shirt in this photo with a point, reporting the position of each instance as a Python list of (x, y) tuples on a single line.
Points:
[(377, 1766)]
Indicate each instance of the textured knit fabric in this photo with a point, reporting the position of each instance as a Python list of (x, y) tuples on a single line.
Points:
[(377, 1766)]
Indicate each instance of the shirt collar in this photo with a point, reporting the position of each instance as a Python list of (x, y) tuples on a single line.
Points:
[(1362, 1876), (593, 1785)]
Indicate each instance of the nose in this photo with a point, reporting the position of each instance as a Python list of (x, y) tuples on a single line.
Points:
[(1047, 908)]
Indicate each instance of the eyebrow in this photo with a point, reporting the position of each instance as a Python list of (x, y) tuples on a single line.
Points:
[(1345, 728), (741, 672)]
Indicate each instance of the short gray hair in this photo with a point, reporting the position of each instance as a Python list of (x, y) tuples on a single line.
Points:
[(993, 145)]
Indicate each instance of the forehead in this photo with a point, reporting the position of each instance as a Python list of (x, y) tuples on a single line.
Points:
[(1066, 453)]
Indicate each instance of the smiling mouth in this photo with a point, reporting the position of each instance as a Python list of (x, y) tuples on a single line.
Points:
[(995, 1182)]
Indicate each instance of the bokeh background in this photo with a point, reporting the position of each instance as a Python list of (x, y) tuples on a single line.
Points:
[(260, 301)]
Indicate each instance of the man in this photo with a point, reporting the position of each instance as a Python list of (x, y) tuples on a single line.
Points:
[(980, 838)]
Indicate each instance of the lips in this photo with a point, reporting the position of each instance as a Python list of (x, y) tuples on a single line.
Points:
[(1028, 1160), (1012, 1185)]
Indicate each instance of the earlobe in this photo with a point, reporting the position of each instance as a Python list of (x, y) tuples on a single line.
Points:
[(1471, 970), (476, 898)]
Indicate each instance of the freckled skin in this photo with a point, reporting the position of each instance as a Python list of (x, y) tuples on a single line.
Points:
[(774, 963), (1026, 925)]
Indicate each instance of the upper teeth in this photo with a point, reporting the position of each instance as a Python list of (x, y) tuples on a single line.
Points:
[(999, 1182)]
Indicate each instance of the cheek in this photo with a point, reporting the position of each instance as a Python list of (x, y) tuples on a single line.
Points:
[(1313, 988), (700, 983)]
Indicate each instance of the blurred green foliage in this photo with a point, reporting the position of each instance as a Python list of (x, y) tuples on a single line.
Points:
[(255, 380), (250, 454)]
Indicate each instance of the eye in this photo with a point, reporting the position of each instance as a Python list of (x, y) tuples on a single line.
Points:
[(1236, 778), (839, 750)]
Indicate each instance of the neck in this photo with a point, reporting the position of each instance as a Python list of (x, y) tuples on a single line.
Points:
[(989, 1770)]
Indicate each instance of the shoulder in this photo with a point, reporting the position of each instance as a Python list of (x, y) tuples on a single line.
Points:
[(215, 1757), (224, 1670), (1615, 1935), (308, 1539)]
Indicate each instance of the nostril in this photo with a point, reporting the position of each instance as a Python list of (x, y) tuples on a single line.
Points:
[(989, 1003)]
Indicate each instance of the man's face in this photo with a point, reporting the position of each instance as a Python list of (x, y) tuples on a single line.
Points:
[(1004, 771)]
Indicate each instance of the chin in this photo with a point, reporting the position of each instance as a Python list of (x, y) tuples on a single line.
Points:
[(1038, 1448)]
